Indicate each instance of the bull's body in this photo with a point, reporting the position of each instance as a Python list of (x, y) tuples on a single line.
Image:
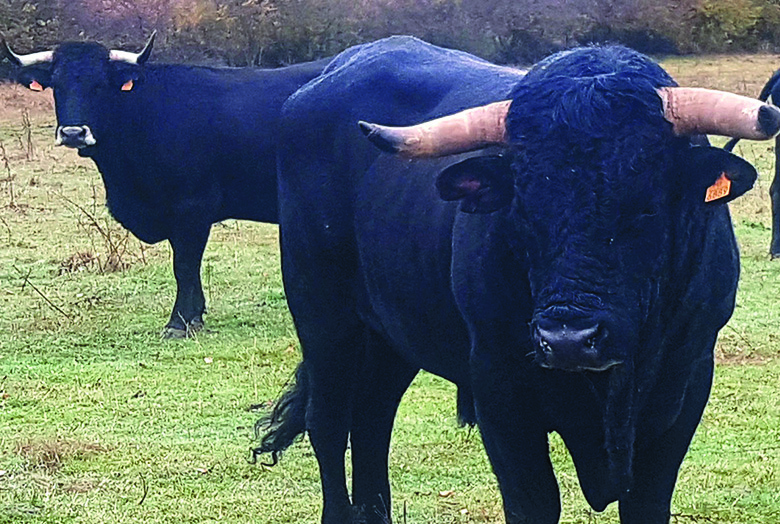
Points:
[(384, 279), (186, 147)]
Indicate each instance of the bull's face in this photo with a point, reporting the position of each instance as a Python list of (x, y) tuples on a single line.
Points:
[(87, 80), (595, 187), (595, 228)]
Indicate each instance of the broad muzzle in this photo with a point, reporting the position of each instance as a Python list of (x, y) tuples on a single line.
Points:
[(575, 344), (77, 137)]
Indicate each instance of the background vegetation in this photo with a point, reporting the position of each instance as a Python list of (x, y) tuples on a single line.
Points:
[(273, 32), (102, 421)]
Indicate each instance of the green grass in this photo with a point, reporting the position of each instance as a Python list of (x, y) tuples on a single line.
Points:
[(103, 421)]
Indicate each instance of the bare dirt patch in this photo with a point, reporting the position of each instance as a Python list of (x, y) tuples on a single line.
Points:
[(731, 359), (15, 99)]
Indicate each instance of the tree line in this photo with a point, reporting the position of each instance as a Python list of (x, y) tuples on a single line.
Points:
[(276, 32)]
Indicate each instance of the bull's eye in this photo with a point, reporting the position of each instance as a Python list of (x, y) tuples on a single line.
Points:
[(127, 86), (35, 86)]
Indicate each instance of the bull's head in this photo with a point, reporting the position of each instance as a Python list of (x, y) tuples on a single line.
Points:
[(598, 173), (86, 79)]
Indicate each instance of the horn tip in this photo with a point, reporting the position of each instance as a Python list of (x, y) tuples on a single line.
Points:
[(5, 51), (383, 141), (769, 120)]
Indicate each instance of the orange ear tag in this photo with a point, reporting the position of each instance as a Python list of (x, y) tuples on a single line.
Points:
[(127, 86), (719, 189), (35, 86)]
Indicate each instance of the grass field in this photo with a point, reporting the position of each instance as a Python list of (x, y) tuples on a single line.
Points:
[(102, 421)]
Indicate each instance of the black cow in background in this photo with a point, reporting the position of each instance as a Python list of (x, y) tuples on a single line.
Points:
[(179, 147), (770, 89), (571, 278)]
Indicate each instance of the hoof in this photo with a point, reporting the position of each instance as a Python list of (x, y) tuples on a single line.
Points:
[(173, 332), (774, 256)]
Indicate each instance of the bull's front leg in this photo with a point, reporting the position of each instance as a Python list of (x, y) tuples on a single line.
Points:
[(657, 463), (187, 315), (516, 443)]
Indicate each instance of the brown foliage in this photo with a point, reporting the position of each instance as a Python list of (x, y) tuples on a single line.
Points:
[(273, 32)]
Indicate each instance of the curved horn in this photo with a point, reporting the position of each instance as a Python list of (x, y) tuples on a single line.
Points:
[(27, 60), (693, 110), (467, 130), (133, 58)]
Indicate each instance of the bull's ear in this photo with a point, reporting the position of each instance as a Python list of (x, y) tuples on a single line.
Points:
[(125, 76), (720, 175), (34, 78), (483, 184)]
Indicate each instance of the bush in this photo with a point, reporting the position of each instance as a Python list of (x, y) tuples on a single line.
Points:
[(276, 32), (644, 40)]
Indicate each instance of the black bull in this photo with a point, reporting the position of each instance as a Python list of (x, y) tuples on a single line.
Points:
[(179, 147), (771, 90), (577, 287)]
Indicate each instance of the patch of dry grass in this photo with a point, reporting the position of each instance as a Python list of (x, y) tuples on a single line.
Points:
[(742, 74), (49, 455)]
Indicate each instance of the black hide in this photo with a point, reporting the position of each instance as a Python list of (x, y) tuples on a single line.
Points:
[(575, 281), (179, 147)]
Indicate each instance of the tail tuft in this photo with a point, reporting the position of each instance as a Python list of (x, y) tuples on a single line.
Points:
[(286, 422)]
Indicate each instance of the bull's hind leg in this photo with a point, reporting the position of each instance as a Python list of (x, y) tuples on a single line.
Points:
[(332, 339), (188, 247), (384, 379), (332, 365)]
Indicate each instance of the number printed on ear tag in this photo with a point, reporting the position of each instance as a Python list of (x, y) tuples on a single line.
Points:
[(719, 189)]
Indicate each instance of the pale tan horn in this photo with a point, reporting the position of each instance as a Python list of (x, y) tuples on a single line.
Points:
[(118, 55), (29, 59), (698, 111), (467, 130)]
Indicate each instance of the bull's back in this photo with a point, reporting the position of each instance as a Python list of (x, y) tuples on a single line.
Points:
[(378, 222), (197, 141), (396, 81)]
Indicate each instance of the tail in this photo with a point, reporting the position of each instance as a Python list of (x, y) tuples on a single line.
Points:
[(766, 91), (467, 415), (287, 420)]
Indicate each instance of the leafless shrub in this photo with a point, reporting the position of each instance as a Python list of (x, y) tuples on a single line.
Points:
[(114, 252), (26, 137), (79, 261), (10, 176)]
